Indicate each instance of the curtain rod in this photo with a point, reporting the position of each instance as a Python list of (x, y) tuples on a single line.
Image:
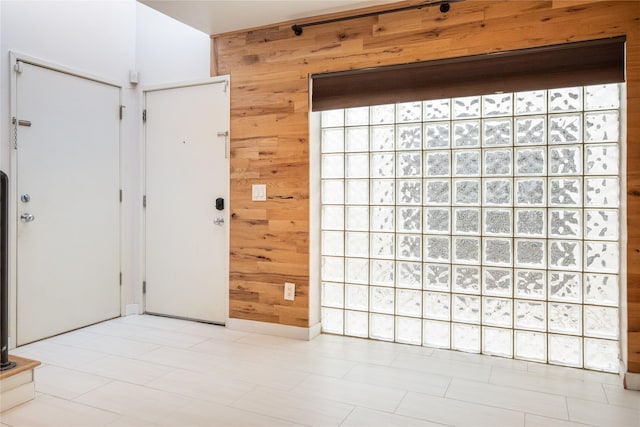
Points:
[(444, 8)]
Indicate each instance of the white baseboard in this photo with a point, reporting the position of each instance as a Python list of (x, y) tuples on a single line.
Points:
[(130, 309), (265, 328), (631, 381)]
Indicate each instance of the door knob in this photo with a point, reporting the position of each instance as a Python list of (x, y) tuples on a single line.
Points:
[(27, 217), (218, 221)]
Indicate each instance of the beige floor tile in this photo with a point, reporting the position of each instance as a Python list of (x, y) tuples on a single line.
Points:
[(399, 378), (125, 369), (66, 383), (361, 417), (441, 366), (599, 414)]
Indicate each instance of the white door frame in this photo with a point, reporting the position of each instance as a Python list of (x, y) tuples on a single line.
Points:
[(14, 57), (223, 79)]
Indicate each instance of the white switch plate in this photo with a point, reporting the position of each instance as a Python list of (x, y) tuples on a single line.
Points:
[(259, 192), (289, 291)]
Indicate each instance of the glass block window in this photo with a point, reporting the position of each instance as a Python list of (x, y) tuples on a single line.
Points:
[(486, 224)]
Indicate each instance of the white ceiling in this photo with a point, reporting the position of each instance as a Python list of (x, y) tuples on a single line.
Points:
[(221, 16)]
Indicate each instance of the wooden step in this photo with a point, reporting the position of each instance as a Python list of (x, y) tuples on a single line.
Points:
[(17, 384)]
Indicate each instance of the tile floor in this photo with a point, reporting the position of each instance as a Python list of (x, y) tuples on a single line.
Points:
[(155, 371)]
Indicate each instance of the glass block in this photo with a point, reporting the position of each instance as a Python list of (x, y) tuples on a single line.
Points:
[(466, 279), (333, 243), (564, 350), (332, 321), (332, 192), (530, 284), (530, 222), (531, 130), (382, 138), (531, 346), (408, 302), (565, 286), (436, 334), (497, 281), (601, 322), (357, 192), (497, 162), (530, 161), (382, 245), (382, 300), (332, 140), (565, 99), (565, 160), (602, 127), (357, 270), (332, 217), (601, 355), (437, 192), (437, 220), (382, 272), (409, 247), (466, 162), (409, 164), (497, 222), (565, 192), (438, 163), (466, 134), (530, 191), (465, 338), (356, 324), (466, 308), (498, 192), (437, 135), (601, 289), (409, 192), (601, 224), (499, 104), (497, 132), (531, 102), (409, 137), (357, 166), (382, 218), (530, 253), (497, 342), (333, 269), (356, 297), (409, 112), (602, 159), (602, 192), (466, 221), (356, 116), (409, 330), (436, 109), (601, 257), (436, 249), (466, 107), (497, 311), (332, 295), (357, 139), (565, 255), (565, 129), (437, 277), (383, 192), (466, 250), (602, 97), (565, 318), (409, 275), (409, 219), (357, 218), (437, 305), (467, 192), (530, 315), (382, 114), (332, 166), (383, 165), (564, 223), (497, 252), (332, 118), (382, 327)]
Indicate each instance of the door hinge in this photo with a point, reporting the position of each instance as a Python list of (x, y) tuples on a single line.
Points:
[(121, 278), (144, 287), (122, 107), (144, 116), (120, 196), (144, 201), (17, 67)]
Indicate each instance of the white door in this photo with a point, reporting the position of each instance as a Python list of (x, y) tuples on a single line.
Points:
[(187, 170), (67, 174)]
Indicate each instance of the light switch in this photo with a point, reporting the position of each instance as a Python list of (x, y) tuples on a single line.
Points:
[(259, 192)]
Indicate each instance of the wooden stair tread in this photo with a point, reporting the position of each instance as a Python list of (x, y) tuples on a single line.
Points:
[(22, 364)]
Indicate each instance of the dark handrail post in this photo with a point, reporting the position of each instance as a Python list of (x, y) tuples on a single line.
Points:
[(4, 275)]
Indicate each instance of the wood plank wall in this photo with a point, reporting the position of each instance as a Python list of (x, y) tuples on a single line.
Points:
[(270, 70)]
